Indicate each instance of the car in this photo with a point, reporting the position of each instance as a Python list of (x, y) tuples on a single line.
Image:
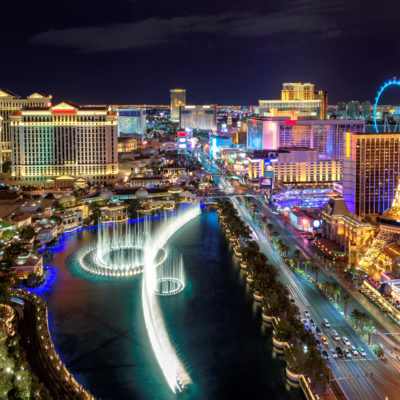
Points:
[(339, 352), (305, 322), (362, 351), (325, 354), (312, 323), (306, 314), (333, 353), (346, 341), (326, 323), (323, 340), (335, 335), (319, 345), (347, 353), (354, 351), (292, 301), (318, 331)]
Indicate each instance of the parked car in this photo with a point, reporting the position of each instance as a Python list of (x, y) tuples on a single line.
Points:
[(319, 345), (335, 335), (325, 354), (362, 351), (333, 353), (318, 331), (347, 353), (326, 323), (354, 351), (312, 323), (339, 352), (306, 314), (305, 322), (292, 301), (346, 341), (324, 341)]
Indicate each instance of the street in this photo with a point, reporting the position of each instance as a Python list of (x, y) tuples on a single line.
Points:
[(352, 375), (349, 373)]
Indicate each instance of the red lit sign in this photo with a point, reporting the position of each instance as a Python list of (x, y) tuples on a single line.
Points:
[(63, 111), (181, 134), (290, 122)]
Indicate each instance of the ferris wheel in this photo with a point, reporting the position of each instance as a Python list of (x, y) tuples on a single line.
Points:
[(388, 83)]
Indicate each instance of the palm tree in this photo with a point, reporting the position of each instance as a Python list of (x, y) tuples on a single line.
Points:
[(275, 235), (269, 229), (315, 269), (297, 255), (306, 262), (356, 314), (346, 299)]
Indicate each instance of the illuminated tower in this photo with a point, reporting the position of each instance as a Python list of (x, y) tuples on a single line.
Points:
[(229, 123), (178, 99), (297, 91)]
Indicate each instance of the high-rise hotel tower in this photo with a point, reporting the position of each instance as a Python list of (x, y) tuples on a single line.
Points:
[(371, 171), (178, 99), (10, 103), (64, 145)]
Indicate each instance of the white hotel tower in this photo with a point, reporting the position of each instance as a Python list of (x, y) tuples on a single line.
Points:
[(64, 145)]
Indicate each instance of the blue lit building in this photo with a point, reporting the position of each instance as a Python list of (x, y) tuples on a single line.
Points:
[(131, 120), (218, 142)]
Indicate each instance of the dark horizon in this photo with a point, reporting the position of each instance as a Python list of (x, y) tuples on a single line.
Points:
[(231, 53)]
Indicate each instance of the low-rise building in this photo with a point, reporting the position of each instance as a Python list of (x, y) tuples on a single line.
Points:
[(113, 213), (22, 220), (71, 220), (345, 229), (26, 264), (146, 181), (46, 231), (126, 144)]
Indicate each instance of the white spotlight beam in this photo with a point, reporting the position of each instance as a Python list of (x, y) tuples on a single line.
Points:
[(173, 369)]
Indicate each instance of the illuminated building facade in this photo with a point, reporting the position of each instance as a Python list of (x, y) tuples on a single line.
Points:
[(302, 168), (297, 91), (198, 117), (371, 170), (131, 120), (259, 164), (178, 99), (298, 101), (298, 167), (64, 144), (324, 136), (339, 226), (126, 144), (10, 103), (218, 143)]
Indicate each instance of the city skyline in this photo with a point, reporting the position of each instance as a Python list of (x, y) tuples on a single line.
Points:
[(200, 200), (136, 52)]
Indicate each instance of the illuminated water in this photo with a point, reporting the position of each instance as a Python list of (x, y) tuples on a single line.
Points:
[(98, 326)]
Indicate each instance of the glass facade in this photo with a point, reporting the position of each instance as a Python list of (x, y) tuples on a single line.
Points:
[(371, 171), (178, 99), (131, 121), (304, 108), (255, 136), (198, 117)]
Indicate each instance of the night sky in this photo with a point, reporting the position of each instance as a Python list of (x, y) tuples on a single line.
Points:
[(224, 52)]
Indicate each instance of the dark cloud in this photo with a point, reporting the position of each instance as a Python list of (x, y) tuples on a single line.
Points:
[(158, 31)]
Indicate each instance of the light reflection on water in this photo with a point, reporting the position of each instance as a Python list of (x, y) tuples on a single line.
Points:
[(98, 328)]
